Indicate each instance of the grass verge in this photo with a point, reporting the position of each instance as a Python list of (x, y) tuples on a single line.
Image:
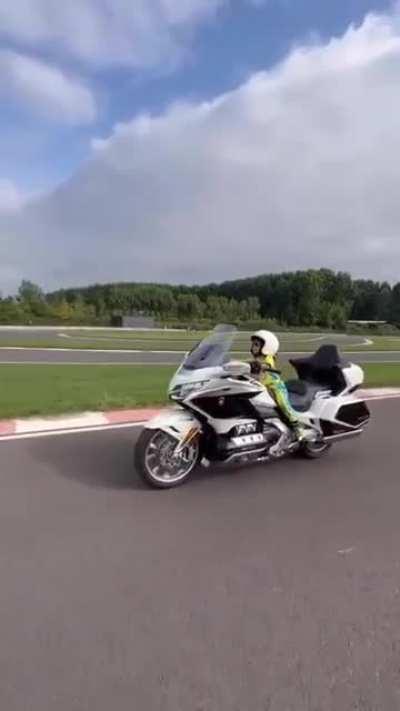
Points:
[(382, 375), (53, 389)]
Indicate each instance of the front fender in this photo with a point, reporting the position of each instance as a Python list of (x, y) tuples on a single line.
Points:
[(175, 421)]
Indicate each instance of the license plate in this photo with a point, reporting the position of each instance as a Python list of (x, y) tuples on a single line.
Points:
[(247, 440)]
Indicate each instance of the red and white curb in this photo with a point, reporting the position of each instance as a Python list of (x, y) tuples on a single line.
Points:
[(98, 421), (83, 422)]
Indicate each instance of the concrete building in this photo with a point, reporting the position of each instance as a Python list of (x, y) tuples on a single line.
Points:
[(132, 321)]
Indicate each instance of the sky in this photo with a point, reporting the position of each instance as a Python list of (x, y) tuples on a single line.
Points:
[(197, 140)]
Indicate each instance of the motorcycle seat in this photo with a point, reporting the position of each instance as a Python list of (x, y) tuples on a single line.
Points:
[(301, 394)]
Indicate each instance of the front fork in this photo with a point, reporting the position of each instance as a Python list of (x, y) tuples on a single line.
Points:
[(188, 438)]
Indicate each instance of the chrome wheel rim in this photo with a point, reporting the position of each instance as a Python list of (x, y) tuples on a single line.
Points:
[(163, 465), (317, 446)]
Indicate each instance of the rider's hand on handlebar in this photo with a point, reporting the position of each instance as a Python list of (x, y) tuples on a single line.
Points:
[(255, 367)]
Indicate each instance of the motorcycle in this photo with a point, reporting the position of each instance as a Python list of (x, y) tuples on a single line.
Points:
[(222, 413)]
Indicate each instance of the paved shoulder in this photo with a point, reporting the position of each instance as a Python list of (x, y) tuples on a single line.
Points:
[(267, 588), (107, 357)]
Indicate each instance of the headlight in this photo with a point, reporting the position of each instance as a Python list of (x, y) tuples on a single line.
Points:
[(180, 392)]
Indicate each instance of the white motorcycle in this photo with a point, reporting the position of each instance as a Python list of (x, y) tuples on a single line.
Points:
[(223, 414)]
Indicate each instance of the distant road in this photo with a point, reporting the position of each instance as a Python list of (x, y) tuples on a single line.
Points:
[(46, 331), (56, 335), (73, 356)]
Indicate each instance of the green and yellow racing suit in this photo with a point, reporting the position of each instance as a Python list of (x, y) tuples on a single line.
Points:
[(271, 378)]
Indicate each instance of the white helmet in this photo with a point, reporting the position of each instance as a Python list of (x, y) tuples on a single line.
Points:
[(270, 341)]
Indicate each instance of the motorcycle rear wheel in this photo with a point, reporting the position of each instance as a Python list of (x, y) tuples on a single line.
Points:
[(314, 450)]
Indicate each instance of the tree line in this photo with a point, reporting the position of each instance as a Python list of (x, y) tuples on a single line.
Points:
[(99, 304), (318, 298), (313, 298)]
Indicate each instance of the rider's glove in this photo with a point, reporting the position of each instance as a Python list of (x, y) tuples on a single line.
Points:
[(255, 367)]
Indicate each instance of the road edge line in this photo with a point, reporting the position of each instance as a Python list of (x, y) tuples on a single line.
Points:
[(30, 428)]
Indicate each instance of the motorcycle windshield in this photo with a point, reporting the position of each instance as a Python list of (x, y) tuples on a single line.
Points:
[(212, 351)]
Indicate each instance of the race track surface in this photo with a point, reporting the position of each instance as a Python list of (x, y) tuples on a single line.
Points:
[(71, 356), (273, 588)]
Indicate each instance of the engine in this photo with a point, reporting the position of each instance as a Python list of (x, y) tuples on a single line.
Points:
[(246, 441)]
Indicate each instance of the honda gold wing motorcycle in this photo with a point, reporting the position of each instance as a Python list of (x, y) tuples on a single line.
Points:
[(221, 413)]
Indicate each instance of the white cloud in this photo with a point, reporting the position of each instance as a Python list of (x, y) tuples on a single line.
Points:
[(298, 167), (11, 199), (141, 33), (45, 89)]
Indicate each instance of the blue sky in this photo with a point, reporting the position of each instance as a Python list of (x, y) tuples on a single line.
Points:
[(242, 37), (198, 140)]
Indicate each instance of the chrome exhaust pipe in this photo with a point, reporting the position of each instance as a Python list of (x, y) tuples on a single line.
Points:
[(244, 456), (343, 436)]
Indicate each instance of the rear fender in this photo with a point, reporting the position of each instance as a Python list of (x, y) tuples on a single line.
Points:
[(176, 422), (327, 409)]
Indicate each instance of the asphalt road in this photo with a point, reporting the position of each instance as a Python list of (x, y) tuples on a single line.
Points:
[(113, 358), (59, 332), (275, 588), (71, 356)]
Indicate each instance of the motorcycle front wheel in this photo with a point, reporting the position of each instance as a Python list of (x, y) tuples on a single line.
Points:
[(157, 463)]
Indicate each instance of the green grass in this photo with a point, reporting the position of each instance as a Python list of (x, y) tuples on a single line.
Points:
[(380, 343), (159, 341), (380, 375), (56, 389), (27, 390)]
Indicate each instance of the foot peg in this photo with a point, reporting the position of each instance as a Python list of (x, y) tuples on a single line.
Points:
[(282, 446)]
